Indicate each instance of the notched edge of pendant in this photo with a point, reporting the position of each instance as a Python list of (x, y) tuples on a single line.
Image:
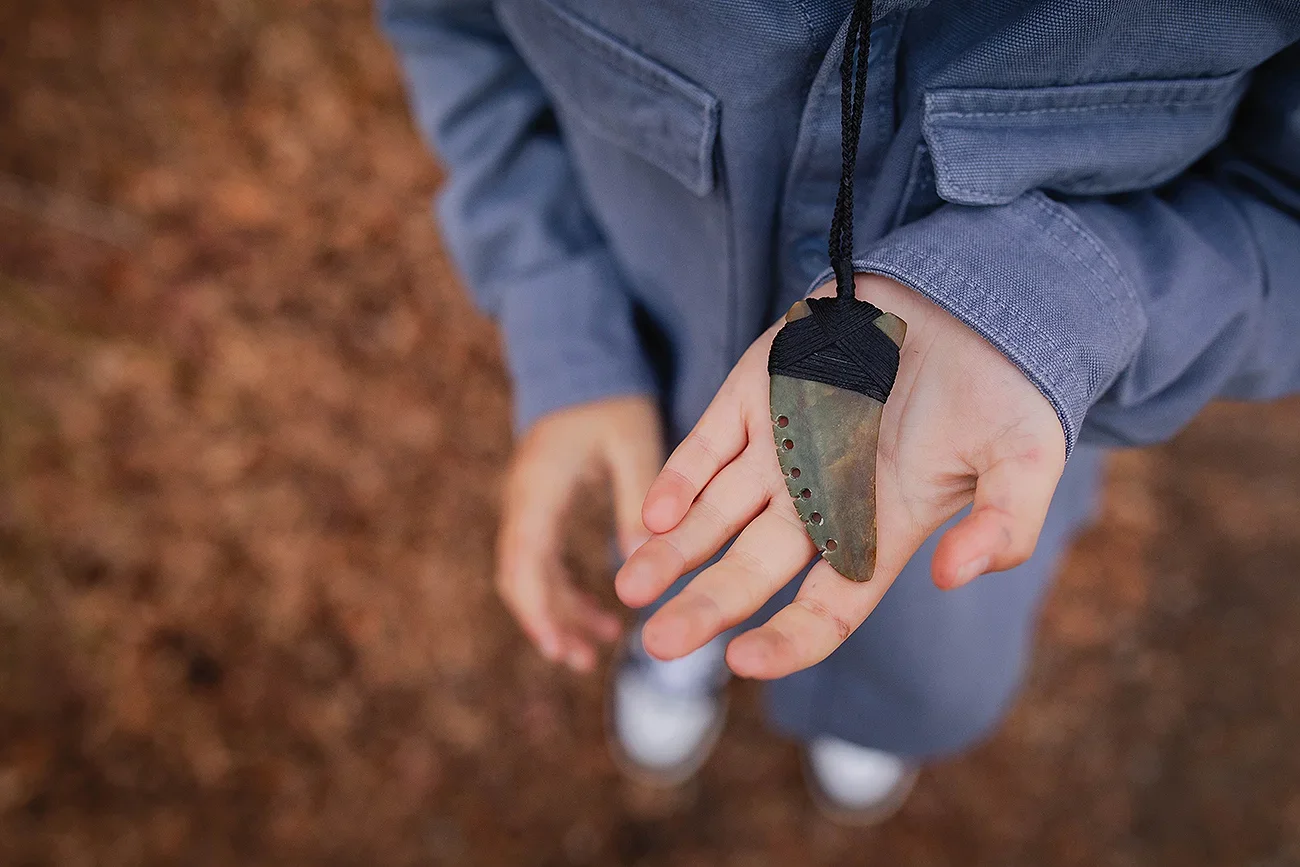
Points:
[(818, 531), (804, 469)]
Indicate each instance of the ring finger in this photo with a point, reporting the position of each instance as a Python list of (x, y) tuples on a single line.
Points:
[(822, 616)]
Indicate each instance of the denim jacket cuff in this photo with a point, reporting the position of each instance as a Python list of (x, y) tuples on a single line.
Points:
[(1031, 280), (570, 340)]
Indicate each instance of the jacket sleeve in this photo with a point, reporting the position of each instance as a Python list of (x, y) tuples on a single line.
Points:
[(1132, 312), (511, 211)]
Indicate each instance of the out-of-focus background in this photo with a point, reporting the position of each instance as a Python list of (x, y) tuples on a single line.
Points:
[(251, 435)]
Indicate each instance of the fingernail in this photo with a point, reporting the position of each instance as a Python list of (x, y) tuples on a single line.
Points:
[(550, 648), (972, 570)]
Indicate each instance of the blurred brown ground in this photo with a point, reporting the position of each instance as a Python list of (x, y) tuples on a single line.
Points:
[(250, 437)]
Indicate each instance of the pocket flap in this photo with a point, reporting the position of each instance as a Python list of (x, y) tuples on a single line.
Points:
[(990, 146), (618, 94)]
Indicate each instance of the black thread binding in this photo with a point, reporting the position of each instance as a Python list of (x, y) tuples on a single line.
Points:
[(838, 344)]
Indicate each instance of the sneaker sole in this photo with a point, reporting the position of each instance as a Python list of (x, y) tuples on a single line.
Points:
[(658, 778), (861, 817)]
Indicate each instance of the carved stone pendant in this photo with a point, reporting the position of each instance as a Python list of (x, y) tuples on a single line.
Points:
[(826, 440)]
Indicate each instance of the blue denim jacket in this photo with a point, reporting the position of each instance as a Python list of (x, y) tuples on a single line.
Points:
[(1108, 191)]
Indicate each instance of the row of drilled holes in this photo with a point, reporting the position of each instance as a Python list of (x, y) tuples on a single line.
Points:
[(815, 517)]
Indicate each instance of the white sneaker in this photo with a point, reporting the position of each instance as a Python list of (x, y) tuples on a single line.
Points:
[(664, 718), (856, 785)]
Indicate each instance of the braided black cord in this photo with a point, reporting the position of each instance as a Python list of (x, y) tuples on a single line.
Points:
[(853, 91), (838, 343)]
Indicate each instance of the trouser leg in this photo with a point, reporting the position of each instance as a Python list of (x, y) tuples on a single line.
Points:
[(931, 672)]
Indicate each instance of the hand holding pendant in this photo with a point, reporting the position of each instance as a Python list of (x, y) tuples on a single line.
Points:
[(961, 425)]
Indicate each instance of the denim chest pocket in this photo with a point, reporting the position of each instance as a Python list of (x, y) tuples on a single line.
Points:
[(609, 90), (989, 146)]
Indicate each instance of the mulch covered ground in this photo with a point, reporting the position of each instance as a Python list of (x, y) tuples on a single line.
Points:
[(251, 433)]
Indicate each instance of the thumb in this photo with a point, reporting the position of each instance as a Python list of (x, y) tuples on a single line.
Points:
[(1001, 531), (633, 466)]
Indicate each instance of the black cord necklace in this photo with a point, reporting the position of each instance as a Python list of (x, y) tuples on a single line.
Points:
[(833, 364)]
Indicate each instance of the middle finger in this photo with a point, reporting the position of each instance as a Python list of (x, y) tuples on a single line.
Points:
[(770, 551)]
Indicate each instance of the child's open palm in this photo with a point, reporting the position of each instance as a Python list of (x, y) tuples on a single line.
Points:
[(963, 424)]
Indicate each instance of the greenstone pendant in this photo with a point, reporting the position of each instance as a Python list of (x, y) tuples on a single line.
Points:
[(826, 439)]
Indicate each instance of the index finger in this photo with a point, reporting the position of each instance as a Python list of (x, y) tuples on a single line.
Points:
[(715, 442)]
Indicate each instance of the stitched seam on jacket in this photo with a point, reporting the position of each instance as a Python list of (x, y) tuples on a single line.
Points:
[(913, 182), (1082, 189), (1048, 382), (935, 139), (563, 24), (696, 180), (938, 153), (933, 270), (936, 269), (1092, 289), (1107, 106), (1150, 97), (1061, 214)]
